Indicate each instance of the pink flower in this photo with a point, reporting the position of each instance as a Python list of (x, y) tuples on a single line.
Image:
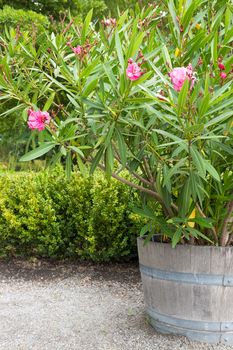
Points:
[(109, 22), (223, 75), (133, 70), (38, 119), (77, 50), (180, 74), (221, 66)]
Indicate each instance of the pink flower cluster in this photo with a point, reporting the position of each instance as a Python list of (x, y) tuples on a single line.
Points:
[(78, 50), (38, 119), (221, 66), (133, 70), (180, 74), (109, 22)]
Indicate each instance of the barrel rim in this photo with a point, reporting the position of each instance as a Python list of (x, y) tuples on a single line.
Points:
[(184, 246)]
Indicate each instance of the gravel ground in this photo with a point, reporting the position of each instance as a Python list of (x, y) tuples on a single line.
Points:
[(77, 307)]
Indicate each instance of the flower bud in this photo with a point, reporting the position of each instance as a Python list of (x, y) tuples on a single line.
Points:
[(223, 75), (221, 66)]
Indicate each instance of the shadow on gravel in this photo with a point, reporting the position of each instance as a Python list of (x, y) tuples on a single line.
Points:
[(35, 269)]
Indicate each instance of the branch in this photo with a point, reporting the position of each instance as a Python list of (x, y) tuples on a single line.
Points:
[(204, 216), (140, 178), (132, 184), (146, 182), (225, 232), (143, 189), (147, 168)]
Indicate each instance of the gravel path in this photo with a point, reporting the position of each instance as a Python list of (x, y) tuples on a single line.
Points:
[(77, 307)]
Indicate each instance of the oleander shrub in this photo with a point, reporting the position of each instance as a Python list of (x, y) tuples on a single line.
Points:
[(47, 215)]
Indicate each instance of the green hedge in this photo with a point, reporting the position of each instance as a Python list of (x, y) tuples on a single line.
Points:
[(23, 19), (47, 215)]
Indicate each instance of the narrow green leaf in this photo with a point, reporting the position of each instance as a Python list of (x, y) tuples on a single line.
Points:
[(174, 170), (176, 237), (68, 165), (119, 50), (134, 45), (182, 97), (38, 152), (89, 87), (184, 198), (146, 228), (97, 159), (214, 48), (109, 160), (198, 161), (204, 105), (196, 233), (86, 26), (111, 77), (121, 147), (211, 170), (49, 102), (220, 118), (82, 167)]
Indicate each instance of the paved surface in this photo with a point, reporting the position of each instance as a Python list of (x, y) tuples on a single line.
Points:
[(77, 307)]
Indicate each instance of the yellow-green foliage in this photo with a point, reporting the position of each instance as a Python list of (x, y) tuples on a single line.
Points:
[(24, 20), (46, 215)]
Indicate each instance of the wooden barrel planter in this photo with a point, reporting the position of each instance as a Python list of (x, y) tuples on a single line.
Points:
[(188, 290)]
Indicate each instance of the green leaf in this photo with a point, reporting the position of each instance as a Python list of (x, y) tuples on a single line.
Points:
[(82, 167), (176, 237), (73, 101), (214, 48), (204, 222), (146, 228), (184, 198), (220, 118), (77, 150), (38, 152), (204, 105), (182, 97), (25, 114), (109, 135), (109, 160), (86, 26), (119, 50), (211, 170), (49, 101), (89, 87), (198, 161), (186, 20), (194, 129), (68, 165), (121, 147), (174, 170), (196, 233), (145, 212), (134, 45), (97, 159), (13, 109), (111, 77)]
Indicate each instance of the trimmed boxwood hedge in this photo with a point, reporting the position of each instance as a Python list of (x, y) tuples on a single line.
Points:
[(45, 214)]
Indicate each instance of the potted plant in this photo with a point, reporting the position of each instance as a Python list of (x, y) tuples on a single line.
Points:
[(151, 94)]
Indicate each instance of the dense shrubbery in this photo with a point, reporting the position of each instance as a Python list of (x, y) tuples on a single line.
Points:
[(77, 7), (24, 20), (48, 215)]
